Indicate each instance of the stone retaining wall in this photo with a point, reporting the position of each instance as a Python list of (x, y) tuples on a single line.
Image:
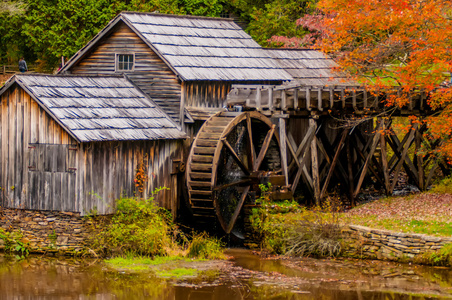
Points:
[(47, 231), (365, 242)]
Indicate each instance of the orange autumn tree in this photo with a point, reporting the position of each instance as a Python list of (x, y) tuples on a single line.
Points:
[(403, 43)]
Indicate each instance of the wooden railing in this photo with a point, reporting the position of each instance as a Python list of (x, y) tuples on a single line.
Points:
[(304, 100), (12, 69)]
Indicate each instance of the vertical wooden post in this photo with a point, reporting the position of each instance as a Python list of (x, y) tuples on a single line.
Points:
[(384, 157), (331, 98), (351, 184), (308, 99), (258, 99), (365, 98), (419, 160), (270, 99), (282, 142), (319, 100), (182, 107), (283, 100), (315, 163), (295, 98)]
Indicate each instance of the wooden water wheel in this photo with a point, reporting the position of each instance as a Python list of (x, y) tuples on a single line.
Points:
[(231, 155)]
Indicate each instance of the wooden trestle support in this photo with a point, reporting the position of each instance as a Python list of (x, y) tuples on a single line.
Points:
[(328, 154)]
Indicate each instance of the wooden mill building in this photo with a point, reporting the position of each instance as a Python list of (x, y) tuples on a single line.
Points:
[(186, 64), (151, 92), (74, 143)]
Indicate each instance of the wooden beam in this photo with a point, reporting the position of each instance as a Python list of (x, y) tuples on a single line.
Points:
[(351, 182), (315, 163), (283, 148), (420, 160), (375, 141), (264, 148), (258, 99), (236, 157), (270, 99), (319, 100), (237, 210), (402, 159), (250, 138), (333, 163), (384, 160)]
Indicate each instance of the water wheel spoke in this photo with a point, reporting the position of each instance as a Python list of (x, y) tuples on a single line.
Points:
[(236, 157), (250, 139), (239, 182), (264, 148), (237, 210)]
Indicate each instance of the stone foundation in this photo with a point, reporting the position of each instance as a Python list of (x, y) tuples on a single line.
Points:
[(365, 242), (48, 231)]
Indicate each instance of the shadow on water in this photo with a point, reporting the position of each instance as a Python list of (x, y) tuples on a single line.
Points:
[(246, 276)]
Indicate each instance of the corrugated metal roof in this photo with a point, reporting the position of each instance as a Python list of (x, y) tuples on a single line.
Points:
[(99, 108), (309, 67), (205, 48)]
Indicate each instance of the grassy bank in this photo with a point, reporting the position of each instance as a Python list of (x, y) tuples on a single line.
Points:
[(286, 228)]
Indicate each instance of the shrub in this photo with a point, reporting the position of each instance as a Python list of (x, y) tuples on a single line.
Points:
[(444, 186), (203, 246), (287, 228), (140, 227)]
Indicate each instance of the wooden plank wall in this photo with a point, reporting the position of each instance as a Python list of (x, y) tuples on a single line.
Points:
[(151, 74), (24, 123), (43, 168), (107, 171), (206, 93)]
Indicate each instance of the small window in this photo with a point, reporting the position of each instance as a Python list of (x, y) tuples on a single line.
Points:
[(124, 62)]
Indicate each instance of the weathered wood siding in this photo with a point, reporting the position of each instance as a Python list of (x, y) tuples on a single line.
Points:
[(150, 74), (107, 170), (206, 93), (44, 168), (23, 125)]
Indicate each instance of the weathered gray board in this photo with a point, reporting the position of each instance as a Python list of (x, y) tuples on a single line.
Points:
[(42, 167)]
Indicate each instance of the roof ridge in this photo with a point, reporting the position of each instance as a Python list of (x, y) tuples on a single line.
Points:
[(176, 16), (293, 49), (71, 75)]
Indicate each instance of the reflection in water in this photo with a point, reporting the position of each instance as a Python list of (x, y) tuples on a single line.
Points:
[(247, 277)]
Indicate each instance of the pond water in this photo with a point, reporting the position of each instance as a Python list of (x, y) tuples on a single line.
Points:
[(245, 276)]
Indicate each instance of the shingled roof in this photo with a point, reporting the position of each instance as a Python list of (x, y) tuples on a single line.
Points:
[(98, 108), (309, 67), (199, 48)]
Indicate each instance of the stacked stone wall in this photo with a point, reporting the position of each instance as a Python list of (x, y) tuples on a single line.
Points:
[(365, 242), (48, 231)]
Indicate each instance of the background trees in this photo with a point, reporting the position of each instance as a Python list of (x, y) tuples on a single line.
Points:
[(45, 30)]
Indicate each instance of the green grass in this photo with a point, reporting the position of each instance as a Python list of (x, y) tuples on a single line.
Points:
[(177, 273), (139, 262), (435, 228), (161, 266)]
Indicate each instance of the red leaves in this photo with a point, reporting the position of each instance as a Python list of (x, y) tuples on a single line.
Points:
[(403, 43)]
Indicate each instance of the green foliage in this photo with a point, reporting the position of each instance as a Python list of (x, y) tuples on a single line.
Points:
[(209, 8), (441, 257), (141, 228), (268, 18), (443, 187), (202, 246), (13, 243), (45, 30), (286, 228)]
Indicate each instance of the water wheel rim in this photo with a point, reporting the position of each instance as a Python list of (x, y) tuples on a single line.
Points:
[(220, 145)]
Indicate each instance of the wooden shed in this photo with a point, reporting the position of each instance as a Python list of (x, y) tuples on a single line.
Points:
[(186, 64), (76, 143)]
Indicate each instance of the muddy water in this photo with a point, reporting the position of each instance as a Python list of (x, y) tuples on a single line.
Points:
[(245, 276)]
